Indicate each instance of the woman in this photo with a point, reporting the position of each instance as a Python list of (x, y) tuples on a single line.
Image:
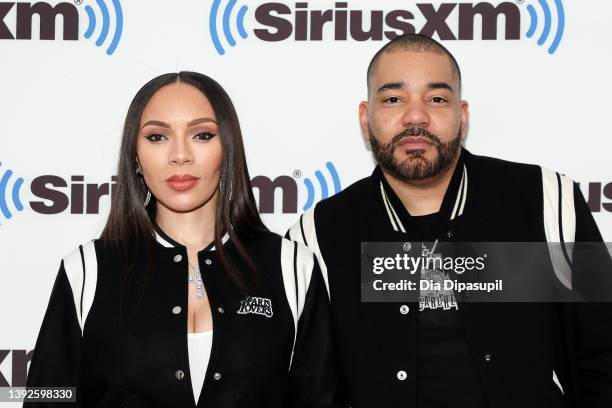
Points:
[(186, 299)]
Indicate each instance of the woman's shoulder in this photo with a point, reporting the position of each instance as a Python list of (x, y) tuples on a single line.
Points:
[(88, 255), (80, 252)]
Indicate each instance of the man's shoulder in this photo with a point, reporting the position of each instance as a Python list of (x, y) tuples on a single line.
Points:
[(518, 184), (500, 168), (508, 178)]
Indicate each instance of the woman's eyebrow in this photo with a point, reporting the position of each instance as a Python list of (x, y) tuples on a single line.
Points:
[(201, 120), (156, 123), (167, 126)]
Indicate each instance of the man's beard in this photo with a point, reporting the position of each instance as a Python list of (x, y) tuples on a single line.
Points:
[(416, 166)]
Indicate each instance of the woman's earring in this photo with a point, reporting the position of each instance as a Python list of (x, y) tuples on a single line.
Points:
[(139, 172)]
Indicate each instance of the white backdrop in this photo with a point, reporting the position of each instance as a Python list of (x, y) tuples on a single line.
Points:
[(63, 102)]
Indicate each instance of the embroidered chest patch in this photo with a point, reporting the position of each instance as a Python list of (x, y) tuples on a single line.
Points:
[(256, 305)]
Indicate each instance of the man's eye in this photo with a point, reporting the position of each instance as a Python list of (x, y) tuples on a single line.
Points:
[(438, 99), (393, 99), (205, 136), (156, 137)]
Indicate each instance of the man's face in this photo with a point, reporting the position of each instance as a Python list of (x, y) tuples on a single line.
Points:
[(414, 118)]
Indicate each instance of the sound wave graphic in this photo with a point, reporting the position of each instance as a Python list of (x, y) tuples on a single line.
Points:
[(106, 19), (14, 194), (547, 24), (323, 184), (227, 13)]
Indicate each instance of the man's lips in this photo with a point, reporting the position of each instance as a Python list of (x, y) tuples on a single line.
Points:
[(182, 182), (415, 143)]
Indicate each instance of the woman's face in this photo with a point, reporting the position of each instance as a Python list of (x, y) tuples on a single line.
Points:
[(179, 148)]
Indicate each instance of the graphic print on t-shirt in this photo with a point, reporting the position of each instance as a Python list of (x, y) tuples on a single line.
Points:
[(433, 295)]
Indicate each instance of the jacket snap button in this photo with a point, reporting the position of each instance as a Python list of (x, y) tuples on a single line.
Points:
[(488, 357), (179, 374), (208, 262), (176, 310), (401, 375), (220, 310), (178, 258), (217, 376), (404, 309), (450, 234)]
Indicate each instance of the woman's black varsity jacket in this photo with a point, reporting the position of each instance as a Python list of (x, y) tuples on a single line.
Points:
[(271, 348)]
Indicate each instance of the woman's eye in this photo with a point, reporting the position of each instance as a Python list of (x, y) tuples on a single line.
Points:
[(204, 136), (156, 137)]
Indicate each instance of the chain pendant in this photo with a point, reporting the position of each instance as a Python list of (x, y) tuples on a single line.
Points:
[(196, 278)]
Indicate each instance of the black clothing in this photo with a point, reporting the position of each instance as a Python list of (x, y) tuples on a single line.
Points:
[(271, 348), (525, 354), (446, 373)]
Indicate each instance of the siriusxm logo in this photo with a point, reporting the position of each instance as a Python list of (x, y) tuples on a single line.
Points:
[(448, 21), (546, 30), (323, 185), (19, 362), (103, 34), (47, 17), (239, 17), (12, 194), (54, 194), (596, 192), (288, 186)]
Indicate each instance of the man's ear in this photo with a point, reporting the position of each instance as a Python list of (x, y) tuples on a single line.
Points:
[(364, 122), (465, 118)]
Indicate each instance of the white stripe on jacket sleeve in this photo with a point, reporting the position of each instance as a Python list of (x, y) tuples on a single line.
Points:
[(297, 263), (304, 232), (559, 222), (81, 267)]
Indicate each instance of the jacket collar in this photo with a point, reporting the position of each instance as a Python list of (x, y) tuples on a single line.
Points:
[(167, 242), (453, 204)]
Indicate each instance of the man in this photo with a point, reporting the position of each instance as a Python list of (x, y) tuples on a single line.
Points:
[(441, 352)]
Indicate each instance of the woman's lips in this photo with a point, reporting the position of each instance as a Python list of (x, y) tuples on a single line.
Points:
[(182, 183)]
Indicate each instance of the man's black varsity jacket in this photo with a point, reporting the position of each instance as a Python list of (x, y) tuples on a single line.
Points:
[(271, 348), (526, 354)]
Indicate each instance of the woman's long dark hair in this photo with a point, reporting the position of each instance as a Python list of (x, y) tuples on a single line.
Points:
[(129, 228)]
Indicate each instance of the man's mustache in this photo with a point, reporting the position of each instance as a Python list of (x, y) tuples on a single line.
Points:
[(415, 132)]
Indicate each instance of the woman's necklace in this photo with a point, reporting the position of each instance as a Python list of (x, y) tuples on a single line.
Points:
[(196, 278)]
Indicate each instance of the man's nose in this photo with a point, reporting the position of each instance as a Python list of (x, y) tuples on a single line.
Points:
[(415, 115)]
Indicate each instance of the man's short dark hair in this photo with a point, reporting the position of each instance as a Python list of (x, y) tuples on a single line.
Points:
[(418, 43)]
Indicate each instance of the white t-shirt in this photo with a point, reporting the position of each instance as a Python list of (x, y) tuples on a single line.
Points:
[(199, 347)]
